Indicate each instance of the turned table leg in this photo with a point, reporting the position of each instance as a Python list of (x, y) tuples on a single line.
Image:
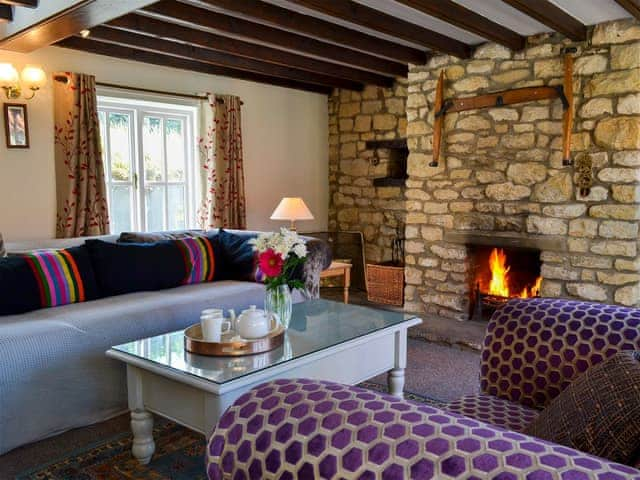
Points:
[(141, 420), (142, 428), (347, 284), (396, 375)]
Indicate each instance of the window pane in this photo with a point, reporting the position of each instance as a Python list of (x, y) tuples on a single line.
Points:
[(175, 150), (176, 207), (152, 149), (120, 208), (154, 204), (120, 148), (102, 119)]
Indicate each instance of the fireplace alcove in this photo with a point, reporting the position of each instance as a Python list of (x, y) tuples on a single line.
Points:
[(498, 273)]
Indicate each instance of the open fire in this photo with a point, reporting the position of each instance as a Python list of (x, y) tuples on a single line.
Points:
[(500, 274), (500, 285)]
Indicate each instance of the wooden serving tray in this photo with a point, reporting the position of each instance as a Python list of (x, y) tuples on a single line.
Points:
[(194, 343)]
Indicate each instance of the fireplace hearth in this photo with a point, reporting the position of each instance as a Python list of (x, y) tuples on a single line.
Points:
[(498, 274)]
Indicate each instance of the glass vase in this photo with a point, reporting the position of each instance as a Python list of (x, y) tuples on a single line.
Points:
[(278, 301)]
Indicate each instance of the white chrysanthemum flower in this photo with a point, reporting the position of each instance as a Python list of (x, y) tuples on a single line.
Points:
[(300, 249)]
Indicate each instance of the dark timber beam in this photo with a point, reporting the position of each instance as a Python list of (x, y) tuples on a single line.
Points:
[(466, 19), (189, 52), (313, 41), (133, 54), (151, 26), (552, 16), (631, 6), (21, 3), (6, 13), (37, 32), (376, 20)]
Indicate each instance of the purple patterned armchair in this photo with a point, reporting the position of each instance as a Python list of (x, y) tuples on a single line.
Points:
[(305, 429), (535, 348)]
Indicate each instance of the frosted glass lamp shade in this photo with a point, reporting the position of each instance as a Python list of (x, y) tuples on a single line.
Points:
[(292, 209), (8, 76), (33, 77)]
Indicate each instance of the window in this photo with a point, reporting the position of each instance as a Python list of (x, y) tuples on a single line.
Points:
[(148, 150)]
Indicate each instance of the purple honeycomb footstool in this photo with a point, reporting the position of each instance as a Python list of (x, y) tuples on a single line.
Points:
[(304, 429)]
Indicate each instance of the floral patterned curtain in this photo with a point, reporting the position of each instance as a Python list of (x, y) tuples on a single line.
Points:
[(221, 164), (80, 181)]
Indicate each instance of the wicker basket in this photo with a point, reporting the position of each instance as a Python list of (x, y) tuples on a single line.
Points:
[(385, 284)]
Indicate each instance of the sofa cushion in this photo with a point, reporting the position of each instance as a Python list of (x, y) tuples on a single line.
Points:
[(46, 278), (152, 237), (134, 267), (199, 258), (599, 413), (238, 260), (494, 410)]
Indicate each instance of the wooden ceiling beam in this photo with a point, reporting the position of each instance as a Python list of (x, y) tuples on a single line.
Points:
[(29, 34), (552, 16), (6, 13), (161, 29), (21, 3), (314, 33), (133, 54), (631, 6), (466, 19), (204, 55), (373, 19)]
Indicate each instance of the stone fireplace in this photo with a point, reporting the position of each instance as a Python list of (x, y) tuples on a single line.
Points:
[(501, 181)]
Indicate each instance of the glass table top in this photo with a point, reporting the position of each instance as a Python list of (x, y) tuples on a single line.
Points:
[(315, 325)]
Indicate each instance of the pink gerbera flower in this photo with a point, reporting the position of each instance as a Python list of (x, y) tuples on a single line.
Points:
[(270, 263)]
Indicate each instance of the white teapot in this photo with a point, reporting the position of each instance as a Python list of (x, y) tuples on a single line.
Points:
[(251, 323)]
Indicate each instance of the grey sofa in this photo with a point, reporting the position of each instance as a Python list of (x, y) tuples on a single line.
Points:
[(54, 374)]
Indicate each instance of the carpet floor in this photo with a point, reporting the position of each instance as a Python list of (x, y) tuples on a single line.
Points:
[(433, 372), (180, 455)]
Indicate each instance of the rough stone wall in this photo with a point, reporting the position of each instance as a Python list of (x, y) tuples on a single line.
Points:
[(501, 170), (355, 204)]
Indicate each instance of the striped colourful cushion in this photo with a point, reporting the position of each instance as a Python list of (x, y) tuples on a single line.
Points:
[(58, 277), (199, 259)]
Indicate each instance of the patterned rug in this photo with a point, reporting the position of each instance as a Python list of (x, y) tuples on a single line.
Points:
[(179, 454)]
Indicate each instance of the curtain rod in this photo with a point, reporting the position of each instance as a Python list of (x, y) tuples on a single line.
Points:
[(61, 78)]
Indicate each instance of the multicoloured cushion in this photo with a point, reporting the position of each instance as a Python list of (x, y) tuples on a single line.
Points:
[(496, 411), (46, 278), (199, 259), (305, 429), (535, 348), (599, 412), (135, 267)]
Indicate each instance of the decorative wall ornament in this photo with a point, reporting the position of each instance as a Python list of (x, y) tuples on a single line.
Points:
[(584, 167), (16, 125), (509, 97)]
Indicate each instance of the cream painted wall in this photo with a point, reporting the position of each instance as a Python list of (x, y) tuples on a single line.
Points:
[(284, 138)]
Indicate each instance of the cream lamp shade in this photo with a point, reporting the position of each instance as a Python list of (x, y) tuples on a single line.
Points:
[(292, 209)]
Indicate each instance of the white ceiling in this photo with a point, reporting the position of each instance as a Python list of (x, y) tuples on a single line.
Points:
[(588, 12)]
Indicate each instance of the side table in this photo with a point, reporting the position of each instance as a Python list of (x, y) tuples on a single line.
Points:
[(340, 269)]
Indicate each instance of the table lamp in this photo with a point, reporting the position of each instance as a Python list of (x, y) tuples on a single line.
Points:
[(292, 209)]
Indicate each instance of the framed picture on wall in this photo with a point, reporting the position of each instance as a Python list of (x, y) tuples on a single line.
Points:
[(16, 125)]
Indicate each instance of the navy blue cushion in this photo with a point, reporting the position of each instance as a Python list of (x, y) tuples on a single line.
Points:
[(238, 260), (134, 267), (46, 278), (18, 287)]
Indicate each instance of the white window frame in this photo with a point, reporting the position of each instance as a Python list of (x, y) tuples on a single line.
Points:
[(138, 106)]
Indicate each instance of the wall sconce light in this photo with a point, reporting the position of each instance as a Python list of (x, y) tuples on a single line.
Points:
[(32, 78)]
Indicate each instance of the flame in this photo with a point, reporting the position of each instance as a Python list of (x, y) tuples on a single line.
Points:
[(499, 284)]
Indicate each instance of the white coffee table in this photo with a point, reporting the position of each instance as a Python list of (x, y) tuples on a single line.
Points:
[(326, 341)]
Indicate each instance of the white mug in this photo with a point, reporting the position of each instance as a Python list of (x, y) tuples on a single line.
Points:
[(213, 326)]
